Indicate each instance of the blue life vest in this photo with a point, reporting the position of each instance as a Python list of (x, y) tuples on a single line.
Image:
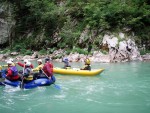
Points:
[(14, 70)]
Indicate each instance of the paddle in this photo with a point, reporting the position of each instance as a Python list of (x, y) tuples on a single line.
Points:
[(2, 81), (22, 84), (56, 86)]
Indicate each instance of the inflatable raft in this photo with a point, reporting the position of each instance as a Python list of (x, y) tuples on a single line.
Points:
[(77, 71), (29, 85)]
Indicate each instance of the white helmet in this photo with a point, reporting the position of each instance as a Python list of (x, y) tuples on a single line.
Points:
[(11, 59), (25, 60), (39, 60), (9, 62), (28, 63)]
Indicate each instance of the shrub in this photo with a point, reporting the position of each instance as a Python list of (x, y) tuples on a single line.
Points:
[(28, 52), (80, 51), (51, 50), (104, 52), (17, 48), (5, 51), (22, 51), (42, 52), (68, 51), (143, 52)]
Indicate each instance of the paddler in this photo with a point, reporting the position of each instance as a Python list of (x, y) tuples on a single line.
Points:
[(66, 63), (87, 65)]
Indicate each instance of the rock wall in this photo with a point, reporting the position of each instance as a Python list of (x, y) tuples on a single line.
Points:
[(121, 48), (3, 27), (6, 22)]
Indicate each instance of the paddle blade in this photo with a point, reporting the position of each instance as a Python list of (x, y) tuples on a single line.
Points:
[(57, 86)]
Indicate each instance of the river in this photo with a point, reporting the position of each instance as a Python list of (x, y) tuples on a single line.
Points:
[(121, 88)]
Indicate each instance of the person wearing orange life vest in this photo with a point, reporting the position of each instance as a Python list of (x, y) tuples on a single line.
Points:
[(87, 65), (12, 72), (48, 69)]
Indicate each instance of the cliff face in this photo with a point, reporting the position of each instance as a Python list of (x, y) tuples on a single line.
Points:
[(3, 27), (6, 23), (121, 48)]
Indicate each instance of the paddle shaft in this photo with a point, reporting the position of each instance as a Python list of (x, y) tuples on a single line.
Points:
[(45, 74), (56, 86), (23, 77)]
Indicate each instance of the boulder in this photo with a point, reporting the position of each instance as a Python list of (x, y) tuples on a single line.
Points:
[(121, 50), (26, 57), (34, 55), (3, 57), (146, 57), (14, 53)]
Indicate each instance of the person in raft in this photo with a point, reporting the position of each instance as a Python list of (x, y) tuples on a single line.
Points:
[(48, 70), (87, 65), (23, 65), (0, 71), (27, 73), (38, 70), (12, 72), (12, 60), (66, 63)]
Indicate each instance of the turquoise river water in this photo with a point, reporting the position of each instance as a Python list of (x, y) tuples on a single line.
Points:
[(121, 88)]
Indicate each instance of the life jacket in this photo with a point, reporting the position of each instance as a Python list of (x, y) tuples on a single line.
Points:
[(30, 77), (48, 69), (12, 73), (0, 67), (87, 67), (14, 70), (27, 73), (67, 66)]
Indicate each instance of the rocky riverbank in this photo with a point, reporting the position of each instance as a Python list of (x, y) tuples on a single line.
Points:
[(114, 48), (96, 56)]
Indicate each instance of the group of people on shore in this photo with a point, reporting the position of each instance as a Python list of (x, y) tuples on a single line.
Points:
[(30, 73)]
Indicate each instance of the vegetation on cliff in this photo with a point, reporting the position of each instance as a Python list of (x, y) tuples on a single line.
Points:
[(42, 24)]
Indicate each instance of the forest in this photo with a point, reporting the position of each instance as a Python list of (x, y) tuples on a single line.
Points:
[(42, 24)]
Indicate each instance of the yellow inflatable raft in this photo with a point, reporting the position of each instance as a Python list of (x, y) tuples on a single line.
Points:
[(77, 72)]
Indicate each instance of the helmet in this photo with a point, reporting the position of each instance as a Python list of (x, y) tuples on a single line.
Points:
[(11, 59), (39, 60), (25, 60), (65, 60), (28, 63), (47, 59), (9, 62), (87, 61)]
